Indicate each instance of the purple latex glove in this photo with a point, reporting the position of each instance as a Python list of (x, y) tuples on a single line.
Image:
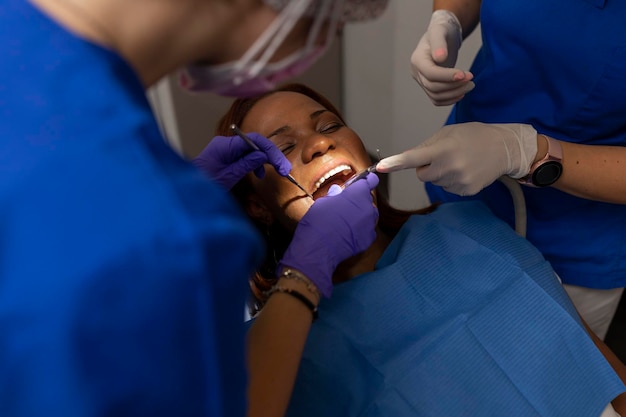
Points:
[(336, 227), (227, 159)]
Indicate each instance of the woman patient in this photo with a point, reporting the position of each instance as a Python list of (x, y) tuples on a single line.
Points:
[(448, 313)]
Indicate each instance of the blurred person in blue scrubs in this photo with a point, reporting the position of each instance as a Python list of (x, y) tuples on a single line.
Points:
[(123, 269), (543, 102)]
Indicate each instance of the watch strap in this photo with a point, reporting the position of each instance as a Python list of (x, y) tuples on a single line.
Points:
[(554, 153)]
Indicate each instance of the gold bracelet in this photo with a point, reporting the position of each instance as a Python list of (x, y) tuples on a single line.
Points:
[(298, 276), (296, 294)]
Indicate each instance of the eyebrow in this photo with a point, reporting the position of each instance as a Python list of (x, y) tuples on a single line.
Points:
[(285, 128), (317, 113)]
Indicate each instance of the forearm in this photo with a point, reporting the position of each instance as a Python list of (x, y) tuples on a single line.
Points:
[(467, 11), (275, 345), (594, 172), (619, 403)]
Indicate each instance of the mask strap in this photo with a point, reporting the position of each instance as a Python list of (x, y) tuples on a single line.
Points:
[(322, 15), (336, 7), (294, 16), (275, 33), (319, 20)]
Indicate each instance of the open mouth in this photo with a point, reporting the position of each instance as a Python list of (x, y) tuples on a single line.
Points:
[(338, 175)]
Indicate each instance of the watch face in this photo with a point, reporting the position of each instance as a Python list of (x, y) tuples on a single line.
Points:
[(547, 173)]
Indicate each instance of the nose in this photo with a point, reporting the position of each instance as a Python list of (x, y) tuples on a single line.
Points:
[(317, 145)]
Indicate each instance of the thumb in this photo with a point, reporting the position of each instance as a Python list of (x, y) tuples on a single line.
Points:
[(445, 33), (438, 44)]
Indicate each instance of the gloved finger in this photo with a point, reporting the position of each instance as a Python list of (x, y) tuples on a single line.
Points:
[(359, 193), (334, 190), (413, 158), (372, 180), (450, 97), (446, 93), (443, 94), (446, 35), (449, 102), (446, 90), (228, 148), (274, 156), (455, 182), (426, 72), (439, 46), (433, 174), (433, 73), (251, 162)]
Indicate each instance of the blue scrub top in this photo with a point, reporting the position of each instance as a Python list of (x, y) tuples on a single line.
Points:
[(123, 270), (558, 65)]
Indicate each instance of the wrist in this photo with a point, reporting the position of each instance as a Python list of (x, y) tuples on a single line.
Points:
[(542, 148), (318, 273), (295, 286), (547, 169), (294, 279), (524, 152)]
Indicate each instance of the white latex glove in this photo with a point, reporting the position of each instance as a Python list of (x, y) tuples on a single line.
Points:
[(465, 158), (434, 58)]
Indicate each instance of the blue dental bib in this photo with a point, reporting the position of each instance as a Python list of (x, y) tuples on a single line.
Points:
[(462, 317)]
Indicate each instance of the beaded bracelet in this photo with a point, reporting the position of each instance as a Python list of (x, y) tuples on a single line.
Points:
[(296, 294), (298, 276)]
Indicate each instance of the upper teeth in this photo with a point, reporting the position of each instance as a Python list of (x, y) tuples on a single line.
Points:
[(331, 173)]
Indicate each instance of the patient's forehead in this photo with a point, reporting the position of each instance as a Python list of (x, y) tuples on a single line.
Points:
[(278, 109)]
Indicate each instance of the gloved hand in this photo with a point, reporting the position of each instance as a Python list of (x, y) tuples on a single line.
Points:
[(434, 58), (466, 157), (336, 227), (228, 159)]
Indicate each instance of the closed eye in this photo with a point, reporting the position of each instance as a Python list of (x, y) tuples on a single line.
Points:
[(286, 148), (331, 127)]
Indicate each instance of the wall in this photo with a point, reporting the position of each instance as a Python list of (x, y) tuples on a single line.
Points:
[(382, 102)]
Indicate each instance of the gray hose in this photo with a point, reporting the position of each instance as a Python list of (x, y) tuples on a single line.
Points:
[(519, 203)]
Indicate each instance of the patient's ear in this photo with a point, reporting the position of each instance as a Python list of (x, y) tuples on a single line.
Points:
[(256, 209)]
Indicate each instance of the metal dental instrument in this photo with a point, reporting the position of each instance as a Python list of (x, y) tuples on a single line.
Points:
[(360, 175), (363, 173), (253, 145)]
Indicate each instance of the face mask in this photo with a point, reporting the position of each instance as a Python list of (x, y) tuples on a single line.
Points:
[(250, 76)]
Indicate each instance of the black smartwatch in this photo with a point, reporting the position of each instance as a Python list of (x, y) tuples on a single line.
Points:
[(548, 169)]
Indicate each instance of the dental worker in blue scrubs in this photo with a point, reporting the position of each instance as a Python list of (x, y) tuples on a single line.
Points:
[(543, 102), (123, 269)]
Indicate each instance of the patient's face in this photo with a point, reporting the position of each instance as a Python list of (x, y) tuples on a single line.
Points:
[(322, 151)]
